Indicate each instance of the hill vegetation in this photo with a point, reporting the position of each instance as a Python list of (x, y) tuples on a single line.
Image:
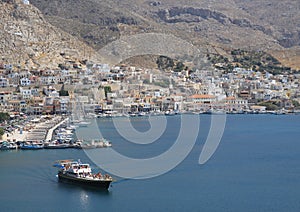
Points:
[(252, 60)]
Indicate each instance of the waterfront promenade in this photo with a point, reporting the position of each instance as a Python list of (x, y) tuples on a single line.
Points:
[(43, 130), (15, 135)]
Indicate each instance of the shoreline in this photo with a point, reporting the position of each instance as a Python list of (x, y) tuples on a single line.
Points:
[(44, 131)]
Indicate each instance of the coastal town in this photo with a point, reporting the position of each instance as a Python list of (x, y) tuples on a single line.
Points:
[(149, 105), (100, 90)]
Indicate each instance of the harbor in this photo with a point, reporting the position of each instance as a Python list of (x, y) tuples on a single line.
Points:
[(58, 132), (48, 133), (267, 157)]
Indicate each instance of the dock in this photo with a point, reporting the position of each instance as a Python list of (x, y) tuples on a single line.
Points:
[(51, 130), (40, 131)]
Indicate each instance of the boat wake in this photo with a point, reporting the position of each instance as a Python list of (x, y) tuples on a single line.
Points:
[(35, 175)]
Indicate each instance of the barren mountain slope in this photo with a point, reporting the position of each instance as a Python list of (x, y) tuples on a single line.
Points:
[(268, 25), (26, 39)]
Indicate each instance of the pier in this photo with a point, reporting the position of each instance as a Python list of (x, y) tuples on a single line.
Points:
[(51, 130), (37, 131)]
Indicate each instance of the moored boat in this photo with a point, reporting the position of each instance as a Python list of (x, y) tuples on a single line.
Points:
[(215, 112), (141, 114), (8, 146), (92, 144), (32, 146), (170, 113), (83, 124), (56, 145), (78, 173), (105, 143)]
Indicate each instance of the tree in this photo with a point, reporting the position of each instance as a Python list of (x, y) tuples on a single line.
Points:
[(179, 67), (63, 92), (4, 117), (269, 105), (1, 132), (107, 89), (146, 81), (296, 103), (164, 62)]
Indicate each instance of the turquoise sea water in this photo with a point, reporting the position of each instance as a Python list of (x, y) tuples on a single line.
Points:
[(255, 168)]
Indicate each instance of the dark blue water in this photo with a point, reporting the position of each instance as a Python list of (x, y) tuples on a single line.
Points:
[(255, 168)]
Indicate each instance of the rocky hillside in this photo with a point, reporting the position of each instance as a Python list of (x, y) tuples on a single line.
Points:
[(218, 25), (28, 40), (282, 18), (222, 25)]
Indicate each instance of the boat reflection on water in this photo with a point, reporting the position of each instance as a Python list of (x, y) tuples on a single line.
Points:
[(84, 199)]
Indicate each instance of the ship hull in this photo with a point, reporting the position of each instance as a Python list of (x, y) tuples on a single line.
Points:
[(57, 147), (8, 148), (101, 184), (31, 147)]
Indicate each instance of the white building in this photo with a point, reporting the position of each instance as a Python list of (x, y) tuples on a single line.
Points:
[(233, 104), (26, 2), (25, 81), (64, 104), (48, 80), (53, 94), (102, 68), (202, 98), (5, 96), (25, 93), (4, 82)]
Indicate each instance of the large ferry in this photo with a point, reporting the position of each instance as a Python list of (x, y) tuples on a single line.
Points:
[(75, 172)]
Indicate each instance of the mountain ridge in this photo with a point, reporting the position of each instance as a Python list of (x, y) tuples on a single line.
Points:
[(220, 26)]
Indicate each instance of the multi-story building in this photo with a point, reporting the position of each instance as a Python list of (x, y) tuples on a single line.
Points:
[(25, 81), (3, 82)]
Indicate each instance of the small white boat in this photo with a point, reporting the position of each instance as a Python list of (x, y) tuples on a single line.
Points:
[(92, 144), (141, 114), (71, 127), (56, 145), (83, 124), (170, 113), (8, 146)]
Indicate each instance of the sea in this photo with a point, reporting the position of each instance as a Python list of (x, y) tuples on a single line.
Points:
[(256, 167)]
